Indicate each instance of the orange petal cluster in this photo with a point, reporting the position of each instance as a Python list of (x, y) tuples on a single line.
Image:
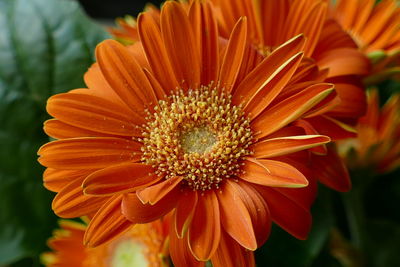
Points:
[(377, 146), (142, 244), (375, 29)]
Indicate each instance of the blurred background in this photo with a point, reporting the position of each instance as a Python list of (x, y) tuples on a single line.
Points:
[(110, 9), (45, 48)]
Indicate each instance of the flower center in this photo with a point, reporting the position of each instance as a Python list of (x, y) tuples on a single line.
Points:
[(129, 253), (199, 136), (198, 140)]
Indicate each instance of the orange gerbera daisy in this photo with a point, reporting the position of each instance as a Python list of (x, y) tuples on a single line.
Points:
[(272, 22), (142, 246), (375, 29), (181, 123), (377, 146)]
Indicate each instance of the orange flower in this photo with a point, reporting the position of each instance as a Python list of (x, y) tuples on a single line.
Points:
[(183, 123), (375, 29), (143, 245), (126, 32), (272, 22), (377, 146)]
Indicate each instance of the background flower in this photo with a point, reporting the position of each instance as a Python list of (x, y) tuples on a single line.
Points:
[(141, 246)]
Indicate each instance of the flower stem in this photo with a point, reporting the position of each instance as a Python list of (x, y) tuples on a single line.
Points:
[(355, 210), (353, 202)]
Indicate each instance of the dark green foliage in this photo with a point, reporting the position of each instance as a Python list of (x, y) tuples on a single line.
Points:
[(45, 48)]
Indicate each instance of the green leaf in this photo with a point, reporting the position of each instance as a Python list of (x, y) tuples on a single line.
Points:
[(45, 48)]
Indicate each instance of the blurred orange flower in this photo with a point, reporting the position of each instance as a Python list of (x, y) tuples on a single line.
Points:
[(181, 122), (142, 245), (126, 30), (375, 29), (377, 146)]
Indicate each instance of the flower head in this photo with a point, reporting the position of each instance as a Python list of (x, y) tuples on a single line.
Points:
[(377, 146), (375, 30), (141, 246), (183, 122), (374, 27)]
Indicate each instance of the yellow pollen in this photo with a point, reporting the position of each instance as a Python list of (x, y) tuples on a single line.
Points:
[(198, 135)]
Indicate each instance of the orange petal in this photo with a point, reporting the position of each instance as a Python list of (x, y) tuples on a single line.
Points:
[(95, 81), (274, 86), (258, 210), (335, 129), (304, 196), (349, 11), (205, 230), (230, 253), (180, 252), (180, 44), (54, 179), (88, 153), (327, 105), (344, 61), (125, 177), (71, 203), (150, 36), (306, 17), (108, 223), (158, 90), (274, 14), (125, 76), (184, 212), (251, 59), (310, 130), (233, 57), (286, 145), (94, 114), (235, 217), (315, 25), (287, 131), (137, 212), (289, 109), (152, 194), (389, 118), (363, 15), (287, 213), (60, 130), (378, 20), (272, 173), (352, 101), (371, 117), (204, 25), (137, 52), (267, 70), (331, 171)]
